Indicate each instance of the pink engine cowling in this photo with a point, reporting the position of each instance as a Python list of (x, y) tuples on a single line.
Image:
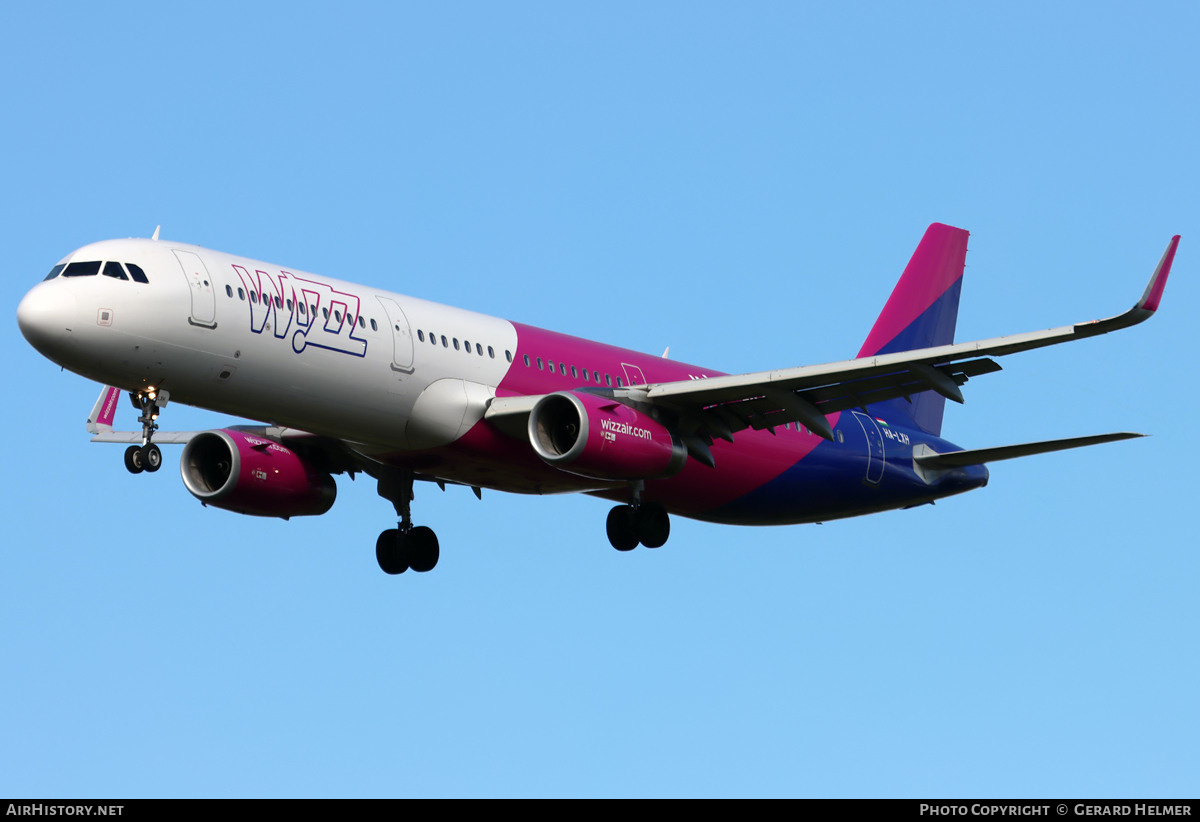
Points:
[(240, 472), (600, 437)]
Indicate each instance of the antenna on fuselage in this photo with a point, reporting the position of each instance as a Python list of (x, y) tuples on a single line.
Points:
[(156, 230)]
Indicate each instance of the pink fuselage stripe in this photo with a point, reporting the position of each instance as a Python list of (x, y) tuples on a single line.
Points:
[(489, 458)]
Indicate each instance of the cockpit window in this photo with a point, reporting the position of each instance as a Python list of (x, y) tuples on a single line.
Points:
[(91, 268), (88, 269), (114, 270)]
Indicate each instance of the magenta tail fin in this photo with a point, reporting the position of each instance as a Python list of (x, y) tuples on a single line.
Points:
[(922, 313)]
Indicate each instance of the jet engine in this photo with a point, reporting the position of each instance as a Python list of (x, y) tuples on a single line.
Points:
[(240, 472), (602, 438)]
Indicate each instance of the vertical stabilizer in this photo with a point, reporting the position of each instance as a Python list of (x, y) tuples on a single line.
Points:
[(921, 313)]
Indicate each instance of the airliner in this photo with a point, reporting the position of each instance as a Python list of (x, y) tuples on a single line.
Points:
[(346, 378)]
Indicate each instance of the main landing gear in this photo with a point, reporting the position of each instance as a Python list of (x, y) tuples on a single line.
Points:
[(147, 456), (646, 523), (398, 549)]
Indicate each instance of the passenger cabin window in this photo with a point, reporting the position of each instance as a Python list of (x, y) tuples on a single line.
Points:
[(375, 327), (420, 333), (88, 269), (54, 272), (229, 291)]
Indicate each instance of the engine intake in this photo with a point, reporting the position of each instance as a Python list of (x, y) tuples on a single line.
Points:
[(240, 472), (602, 438)]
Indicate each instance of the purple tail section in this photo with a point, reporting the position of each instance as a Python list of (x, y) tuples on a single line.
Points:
[(921, 313)]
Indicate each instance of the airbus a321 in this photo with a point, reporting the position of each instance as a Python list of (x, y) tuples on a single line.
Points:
[(348, 378)]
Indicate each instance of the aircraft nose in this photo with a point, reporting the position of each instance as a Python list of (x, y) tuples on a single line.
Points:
[(46, 316)]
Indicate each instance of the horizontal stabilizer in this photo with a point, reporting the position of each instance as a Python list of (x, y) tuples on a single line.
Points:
[(978, 456)]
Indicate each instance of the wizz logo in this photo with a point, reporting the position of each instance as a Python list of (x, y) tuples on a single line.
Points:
[(309, 312)]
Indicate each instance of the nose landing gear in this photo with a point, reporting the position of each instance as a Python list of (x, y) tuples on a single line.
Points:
[(147, 456)]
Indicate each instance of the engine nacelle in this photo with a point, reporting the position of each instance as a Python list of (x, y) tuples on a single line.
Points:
[(240, 472), (602, 438)]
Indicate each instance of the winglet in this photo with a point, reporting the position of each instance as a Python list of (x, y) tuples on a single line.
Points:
[(1154, 289), (104, 411), (1144, 308)]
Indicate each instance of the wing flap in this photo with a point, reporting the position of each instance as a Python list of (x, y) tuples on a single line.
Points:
[(809, 406)]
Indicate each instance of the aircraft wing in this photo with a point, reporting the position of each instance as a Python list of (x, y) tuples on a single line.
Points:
[(336, 456), (100, 426), (721, 406), (724, 405)]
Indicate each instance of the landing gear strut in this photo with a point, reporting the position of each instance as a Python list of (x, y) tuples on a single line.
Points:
[(638, 522), (147, 456), (398, 549)]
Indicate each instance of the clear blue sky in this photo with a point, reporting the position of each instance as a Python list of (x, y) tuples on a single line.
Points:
[(743, 183)]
